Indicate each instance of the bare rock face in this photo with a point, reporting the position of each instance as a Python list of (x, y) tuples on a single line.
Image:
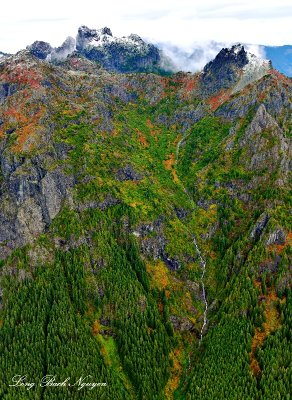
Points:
[(54, 191), (224, 70), (276, 237), (259, 226), (128, 174), (30, 222), (153, 243), (30, 198), (266, 144), (40, 49), (6, 90), (261, 121), (181, 324), (85, 36)]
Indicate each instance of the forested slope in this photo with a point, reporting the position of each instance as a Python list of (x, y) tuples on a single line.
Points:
[(107, 183)]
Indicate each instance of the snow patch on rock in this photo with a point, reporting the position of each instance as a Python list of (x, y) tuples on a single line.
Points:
[(254, 70)]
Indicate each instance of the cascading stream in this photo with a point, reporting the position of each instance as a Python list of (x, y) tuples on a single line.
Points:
[(198, 251), (203, 265)]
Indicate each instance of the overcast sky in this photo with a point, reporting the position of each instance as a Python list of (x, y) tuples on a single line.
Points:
[(181, 22)]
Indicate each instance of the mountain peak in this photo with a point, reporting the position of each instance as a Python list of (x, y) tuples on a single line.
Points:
[(235, 57), (233, 67), (106, 31), (40, 49), (120, 54), (92, 37), (87, 37), (237, 48), (254, 70)]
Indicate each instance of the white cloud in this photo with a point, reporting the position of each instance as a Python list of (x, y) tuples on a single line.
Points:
[(200, 54), (181, 22)]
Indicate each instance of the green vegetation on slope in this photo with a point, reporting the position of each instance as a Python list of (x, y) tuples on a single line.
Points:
[(111, 286)]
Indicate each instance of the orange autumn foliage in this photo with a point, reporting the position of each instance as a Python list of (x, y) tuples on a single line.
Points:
[(96, 327), (217, 100), (25, 132), (175, 373), (271, 324), (169, 165), (159, 274), (142, 138), (23, 75)]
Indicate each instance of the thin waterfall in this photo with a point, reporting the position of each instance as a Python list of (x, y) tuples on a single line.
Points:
[(198, 251)]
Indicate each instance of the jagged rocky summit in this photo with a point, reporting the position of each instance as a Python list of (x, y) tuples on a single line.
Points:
[(125, 54), (233, 66), (117, 54)]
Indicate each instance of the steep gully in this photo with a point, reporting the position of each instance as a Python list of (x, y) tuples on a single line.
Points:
[(198, 251)]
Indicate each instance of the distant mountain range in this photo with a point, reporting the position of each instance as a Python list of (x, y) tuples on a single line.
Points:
[(133, 54)]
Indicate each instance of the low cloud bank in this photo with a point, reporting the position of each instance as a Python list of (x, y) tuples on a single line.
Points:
[(194, 58)]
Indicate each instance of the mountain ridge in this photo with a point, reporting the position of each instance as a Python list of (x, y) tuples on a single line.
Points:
[(168, 57), (163, 57)]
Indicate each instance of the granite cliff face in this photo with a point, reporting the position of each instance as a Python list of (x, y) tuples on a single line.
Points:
[(272, 150), (31, 198)]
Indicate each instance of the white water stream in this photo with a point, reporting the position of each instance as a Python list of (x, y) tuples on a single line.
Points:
[(198, 251)]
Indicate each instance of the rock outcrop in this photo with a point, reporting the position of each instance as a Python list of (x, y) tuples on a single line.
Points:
[(233, 68), (259, 227), (30, 198), (40, 49), (128, 174), (266, 143), (223, 72)]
